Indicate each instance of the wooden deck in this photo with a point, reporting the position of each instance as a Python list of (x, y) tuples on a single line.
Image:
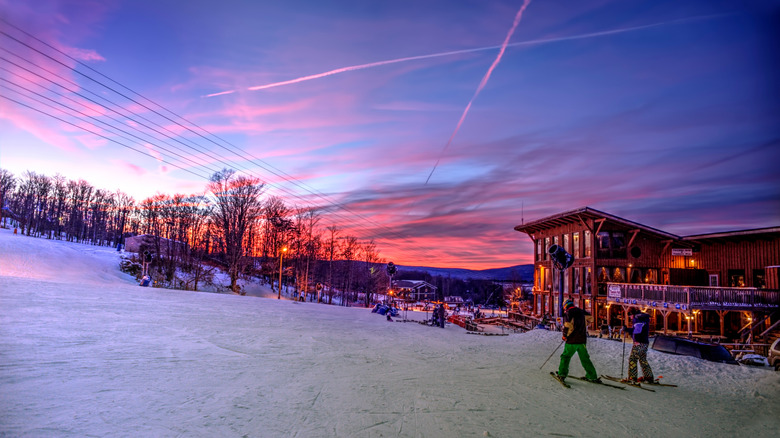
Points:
[(687, 298)]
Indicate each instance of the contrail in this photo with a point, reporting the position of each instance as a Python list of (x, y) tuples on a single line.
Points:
[(482, 83), (476, 49)]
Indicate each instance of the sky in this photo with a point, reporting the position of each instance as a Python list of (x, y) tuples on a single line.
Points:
[(431, 127), (87, 352)]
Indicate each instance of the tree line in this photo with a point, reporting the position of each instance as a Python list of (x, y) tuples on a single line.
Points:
[(233, 226)]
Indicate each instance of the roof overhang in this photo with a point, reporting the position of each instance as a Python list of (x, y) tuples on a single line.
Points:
[(582, 216)]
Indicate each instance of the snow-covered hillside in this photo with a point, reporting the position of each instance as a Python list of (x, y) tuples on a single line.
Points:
[(84, 351)]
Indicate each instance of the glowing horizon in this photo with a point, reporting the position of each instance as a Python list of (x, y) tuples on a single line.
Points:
[(660, 114)]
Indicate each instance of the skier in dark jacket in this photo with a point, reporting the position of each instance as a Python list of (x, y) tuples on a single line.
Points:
[(575, 333), (640, 332)]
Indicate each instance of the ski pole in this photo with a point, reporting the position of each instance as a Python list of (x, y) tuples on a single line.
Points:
[(551, 354), (623, 360)]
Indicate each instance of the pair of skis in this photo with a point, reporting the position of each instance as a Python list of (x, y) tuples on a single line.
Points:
[(638, 384), (598, 382), (615, 379)]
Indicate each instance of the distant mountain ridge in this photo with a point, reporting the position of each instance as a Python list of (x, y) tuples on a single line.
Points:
[(524, 272)]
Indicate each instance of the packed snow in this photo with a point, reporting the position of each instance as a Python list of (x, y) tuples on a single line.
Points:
[(85, 351)]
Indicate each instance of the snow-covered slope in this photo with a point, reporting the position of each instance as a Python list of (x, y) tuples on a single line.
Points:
[(86, 352)]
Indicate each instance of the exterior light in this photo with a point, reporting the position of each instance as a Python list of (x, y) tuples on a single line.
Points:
[(281, 258)]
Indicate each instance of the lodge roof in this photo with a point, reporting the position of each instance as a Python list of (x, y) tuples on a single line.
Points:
[(752, 234), (413, 284), (586, 213)]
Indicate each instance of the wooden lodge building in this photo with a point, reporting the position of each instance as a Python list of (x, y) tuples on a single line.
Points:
[(719, 285)]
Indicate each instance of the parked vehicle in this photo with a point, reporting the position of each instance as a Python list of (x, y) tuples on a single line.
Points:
[(689, 347), (774, 355)]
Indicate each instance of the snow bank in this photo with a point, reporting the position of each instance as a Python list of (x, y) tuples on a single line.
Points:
[(85, 351)]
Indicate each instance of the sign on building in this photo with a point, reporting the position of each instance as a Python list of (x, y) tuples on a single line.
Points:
[(682, 252), (613, 291)]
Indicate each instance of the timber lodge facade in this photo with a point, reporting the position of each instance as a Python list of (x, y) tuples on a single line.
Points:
[(720, 284)]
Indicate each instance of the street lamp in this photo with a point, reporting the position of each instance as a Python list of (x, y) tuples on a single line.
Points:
[(281, 259)]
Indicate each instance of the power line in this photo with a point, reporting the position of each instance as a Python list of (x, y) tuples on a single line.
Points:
[(331, 206)]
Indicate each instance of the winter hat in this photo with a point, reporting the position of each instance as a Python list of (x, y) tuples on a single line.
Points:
[(567, 304)]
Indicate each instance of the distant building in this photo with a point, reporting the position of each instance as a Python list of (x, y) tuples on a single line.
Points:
[(454, 301), (415, 290), (708, 283)]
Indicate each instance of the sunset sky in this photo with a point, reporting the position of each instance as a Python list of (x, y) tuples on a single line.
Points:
[(432, 126)]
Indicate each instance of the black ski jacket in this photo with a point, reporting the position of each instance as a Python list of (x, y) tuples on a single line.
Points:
[(575, 328)]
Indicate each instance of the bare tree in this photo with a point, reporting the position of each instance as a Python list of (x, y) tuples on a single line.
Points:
[(57, 207), (7, 185), (331, 250), (349, 251), (373, 275), (237, 210), (308, 244)]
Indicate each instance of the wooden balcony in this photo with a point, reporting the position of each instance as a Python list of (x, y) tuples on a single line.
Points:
[(687, 298)]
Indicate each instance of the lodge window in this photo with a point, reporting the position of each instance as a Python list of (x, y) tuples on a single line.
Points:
[(602, 243), (611, 244), (548, 278), (539, 251), (576, 277), (587, 281), (586, 237), (604, 276), (714, 280), (619, 275), (642, 275), (636, 275), (546, 247), (576, 242), (618, 245), (566, 243), (736, 278), (759, 281)]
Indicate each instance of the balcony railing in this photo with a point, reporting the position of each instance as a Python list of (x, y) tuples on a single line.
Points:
[(693, 297)]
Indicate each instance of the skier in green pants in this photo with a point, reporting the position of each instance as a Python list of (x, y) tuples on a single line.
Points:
[(575, 334)]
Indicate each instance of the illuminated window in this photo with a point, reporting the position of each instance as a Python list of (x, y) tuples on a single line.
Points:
[(576, 245), (736, 278), (586, 237), (576, 279), (759, 280), (603, 275), (586, 281), (619, 275)]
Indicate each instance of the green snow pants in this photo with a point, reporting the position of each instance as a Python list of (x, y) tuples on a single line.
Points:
[(582, 352)]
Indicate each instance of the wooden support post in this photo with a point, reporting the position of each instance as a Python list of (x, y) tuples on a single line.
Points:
[(722, 315), (665, 314)]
